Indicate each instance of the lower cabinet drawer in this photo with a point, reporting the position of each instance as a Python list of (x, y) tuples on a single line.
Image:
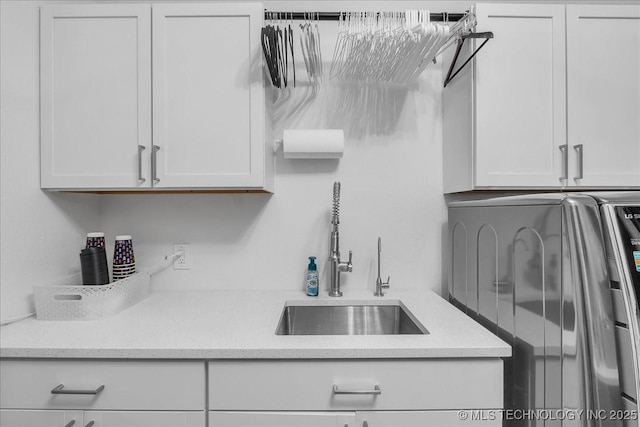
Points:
[(282, 419), (62, 418), (317, 385), (22, 418), (108, 385), (144, 419)]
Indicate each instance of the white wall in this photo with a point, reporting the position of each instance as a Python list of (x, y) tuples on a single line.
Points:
[(391, 187), (40, 233)]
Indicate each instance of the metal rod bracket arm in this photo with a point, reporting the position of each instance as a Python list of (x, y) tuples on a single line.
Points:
[(451, 74)]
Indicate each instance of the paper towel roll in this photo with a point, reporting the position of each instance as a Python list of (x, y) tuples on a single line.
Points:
[(313, 143)]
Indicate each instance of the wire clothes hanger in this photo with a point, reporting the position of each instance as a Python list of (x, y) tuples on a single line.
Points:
[(389, 47), (310, 45), (277, 47)]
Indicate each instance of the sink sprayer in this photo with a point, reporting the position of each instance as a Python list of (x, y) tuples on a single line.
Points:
[(337, 266)]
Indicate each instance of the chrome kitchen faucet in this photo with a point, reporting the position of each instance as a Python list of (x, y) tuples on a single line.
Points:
[(337, 266), (380, 285)]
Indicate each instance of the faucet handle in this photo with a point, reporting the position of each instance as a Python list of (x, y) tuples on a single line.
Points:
[(380, 286), (349, 263)]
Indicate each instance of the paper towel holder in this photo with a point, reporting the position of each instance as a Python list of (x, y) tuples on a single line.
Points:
[(311, 143)]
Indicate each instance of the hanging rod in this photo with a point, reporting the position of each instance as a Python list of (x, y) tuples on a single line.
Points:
[(433, 17), (335, 16)]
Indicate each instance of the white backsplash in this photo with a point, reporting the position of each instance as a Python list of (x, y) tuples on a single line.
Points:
[(390, 188)]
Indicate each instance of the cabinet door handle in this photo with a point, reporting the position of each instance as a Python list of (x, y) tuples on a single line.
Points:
[(59, 389), (154, 164), (565, 162), (141, 148), (376, 390), (90, 424), (70, 423), (580, 151)]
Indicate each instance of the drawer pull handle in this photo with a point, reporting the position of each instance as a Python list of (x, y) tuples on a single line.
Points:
[(90, 424), (60, 390), (70, 423), (376, 390)]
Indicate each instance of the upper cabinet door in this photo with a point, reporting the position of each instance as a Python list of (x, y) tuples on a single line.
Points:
[(603, 68), (95, 96), (208, 97), (520, 116)]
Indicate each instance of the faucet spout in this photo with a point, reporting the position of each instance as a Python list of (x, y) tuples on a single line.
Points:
[(337, 266)]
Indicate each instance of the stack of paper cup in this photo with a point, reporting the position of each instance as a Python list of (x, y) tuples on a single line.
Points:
[(124, 263), (95, 239)]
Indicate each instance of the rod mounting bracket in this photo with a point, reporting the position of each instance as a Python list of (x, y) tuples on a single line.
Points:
[(487, 35)]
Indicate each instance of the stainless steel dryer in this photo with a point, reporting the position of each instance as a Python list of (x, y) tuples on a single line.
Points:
[(558, 277)]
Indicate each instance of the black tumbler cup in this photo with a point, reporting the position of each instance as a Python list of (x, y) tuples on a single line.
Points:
[(93, 262)]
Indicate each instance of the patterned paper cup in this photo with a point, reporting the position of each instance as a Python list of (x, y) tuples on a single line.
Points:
[(95, 239), (123, 251)]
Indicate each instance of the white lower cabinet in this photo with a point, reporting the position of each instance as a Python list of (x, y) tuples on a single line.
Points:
[(355, 393), (355, 419), (255, 393), (461, 418), (45, 418), (144, 419), (31, 418), (282, 419), (84, 393)]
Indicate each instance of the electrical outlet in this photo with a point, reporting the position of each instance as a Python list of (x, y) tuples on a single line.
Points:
[(183, 262)]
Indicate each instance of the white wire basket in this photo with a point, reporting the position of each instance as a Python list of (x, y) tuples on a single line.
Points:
[(90, 302)]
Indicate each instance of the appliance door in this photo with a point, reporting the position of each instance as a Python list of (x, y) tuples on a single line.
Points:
[(623, 228)]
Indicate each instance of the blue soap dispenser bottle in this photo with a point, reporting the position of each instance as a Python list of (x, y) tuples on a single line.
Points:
[(312, 277)]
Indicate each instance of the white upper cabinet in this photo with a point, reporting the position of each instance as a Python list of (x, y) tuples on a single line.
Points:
[(504, 114), (176, 107), (208, 98), (95, 95), (520, 103), (603, 69), (552, 97)]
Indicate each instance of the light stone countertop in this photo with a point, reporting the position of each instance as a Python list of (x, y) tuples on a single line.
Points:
[(241, 325)]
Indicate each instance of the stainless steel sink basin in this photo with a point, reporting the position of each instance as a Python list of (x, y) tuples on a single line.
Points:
[(372, 319)]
